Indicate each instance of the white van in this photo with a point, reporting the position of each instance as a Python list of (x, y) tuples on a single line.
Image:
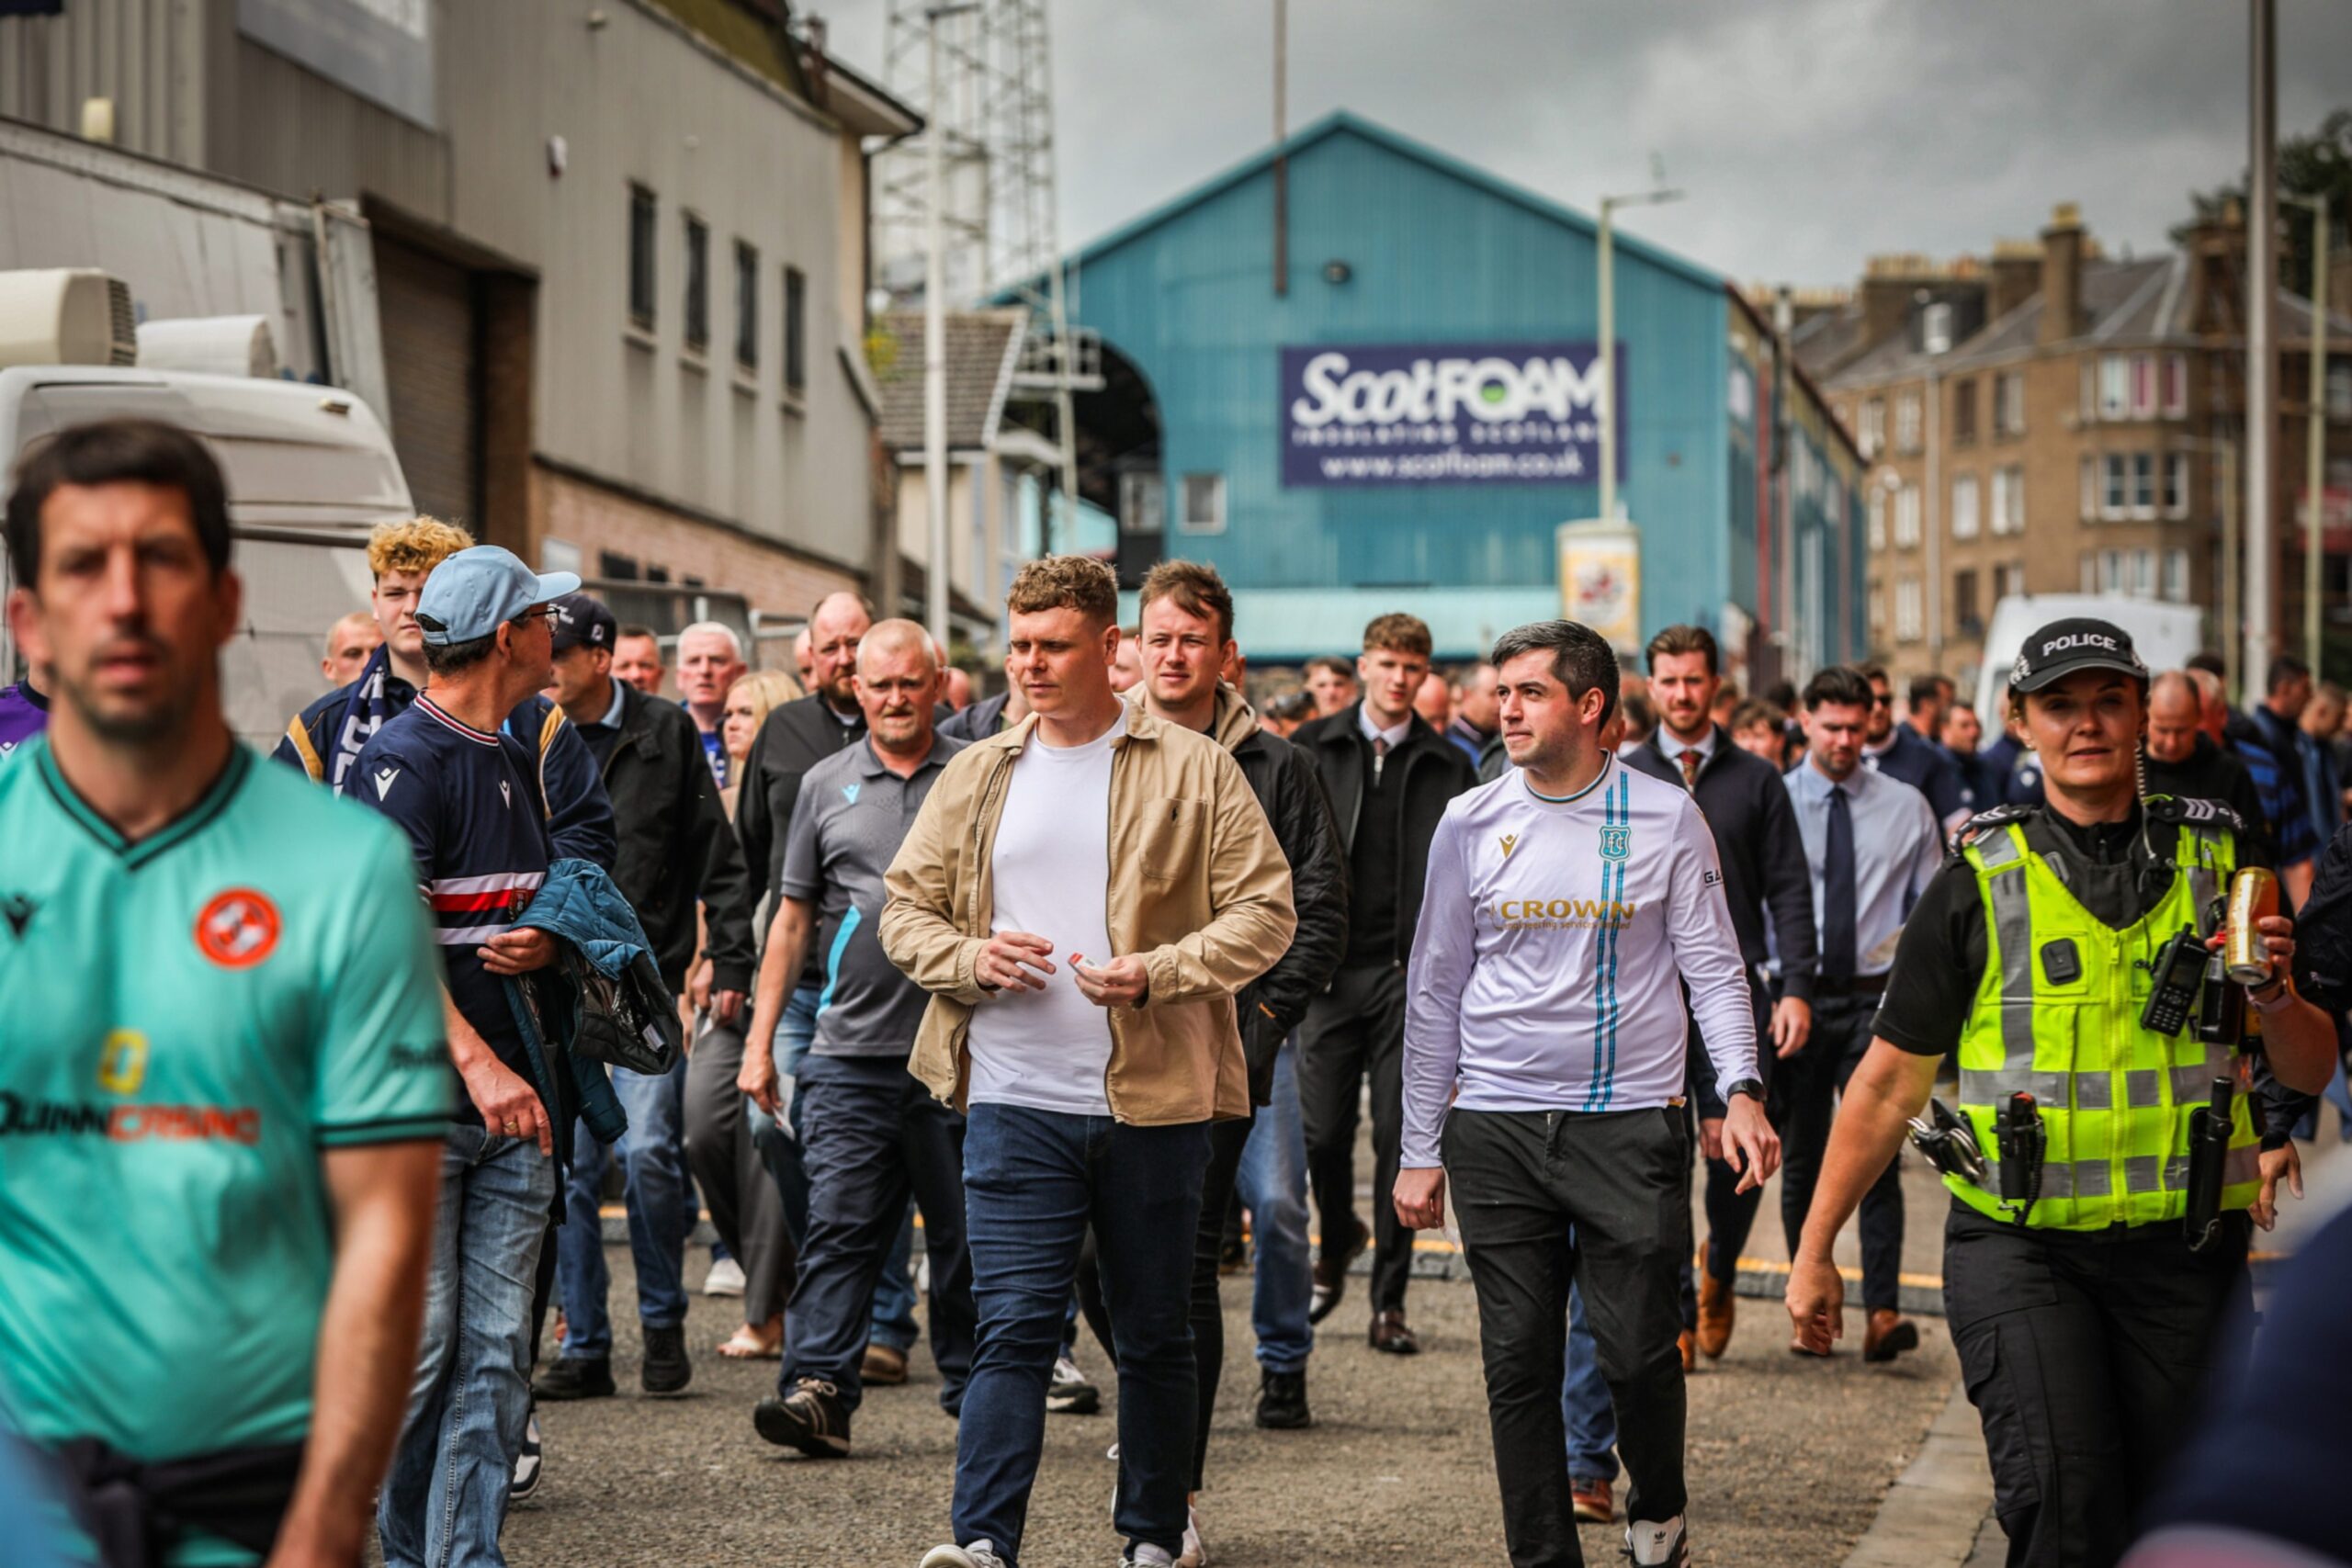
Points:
[(2165, 635), (310, 472)]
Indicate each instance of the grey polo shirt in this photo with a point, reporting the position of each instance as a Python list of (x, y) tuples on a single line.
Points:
[(851, 817)]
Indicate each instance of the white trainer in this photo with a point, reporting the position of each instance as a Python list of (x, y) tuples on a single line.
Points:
[(1661, 1545), (725, 1279), (978, 1555)]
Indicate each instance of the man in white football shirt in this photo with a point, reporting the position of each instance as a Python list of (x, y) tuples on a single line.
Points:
[(1569, 904)]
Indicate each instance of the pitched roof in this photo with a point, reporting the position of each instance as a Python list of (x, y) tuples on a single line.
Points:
[(1342, 122), (983, 347), (2124, 303)]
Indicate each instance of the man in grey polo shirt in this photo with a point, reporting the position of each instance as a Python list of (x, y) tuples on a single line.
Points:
[(870, 1132)]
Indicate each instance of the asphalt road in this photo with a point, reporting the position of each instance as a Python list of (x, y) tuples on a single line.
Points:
[(1789, 1457)]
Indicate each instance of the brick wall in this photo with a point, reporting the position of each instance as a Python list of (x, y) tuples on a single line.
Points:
[(593, 518)]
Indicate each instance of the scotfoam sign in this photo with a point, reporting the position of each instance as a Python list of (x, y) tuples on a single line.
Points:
[(1443, 413)]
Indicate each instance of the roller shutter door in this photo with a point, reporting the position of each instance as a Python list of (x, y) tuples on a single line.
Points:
[(431, 361)]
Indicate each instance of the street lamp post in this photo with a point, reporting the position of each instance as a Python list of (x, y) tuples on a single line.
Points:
[(2315, 430), (934, 338), (1608, 206)]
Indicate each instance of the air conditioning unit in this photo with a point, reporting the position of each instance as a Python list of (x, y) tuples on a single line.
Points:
[(65, 316), (211, 346)]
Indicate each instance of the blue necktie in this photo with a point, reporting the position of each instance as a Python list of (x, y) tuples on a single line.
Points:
[(1837, 898)]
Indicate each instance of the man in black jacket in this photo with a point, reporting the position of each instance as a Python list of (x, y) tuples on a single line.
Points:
[(1747, 809), (676, 853), (1187, 625), (1389, 777)]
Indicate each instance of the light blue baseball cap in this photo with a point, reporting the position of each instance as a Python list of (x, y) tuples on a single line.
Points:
[(468, 594)]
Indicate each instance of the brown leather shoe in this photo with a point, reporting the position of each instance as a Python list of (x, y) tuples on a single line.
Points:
[(1390, 1334), (1889, 1335), (1715, 1313), (883, 1367), (1592, 1500), (1687, 1343)]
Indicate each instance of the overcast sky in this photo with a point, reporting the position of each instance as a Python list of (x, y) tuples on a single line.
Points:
[(1809, 134)]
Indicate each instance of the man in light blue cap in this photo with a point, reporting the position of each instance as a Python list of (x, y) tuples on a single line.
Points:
[(468, 799)]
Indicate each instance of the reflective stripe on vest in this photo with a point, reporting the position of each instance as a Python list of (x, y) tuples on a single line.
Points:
[(2115, 1100)]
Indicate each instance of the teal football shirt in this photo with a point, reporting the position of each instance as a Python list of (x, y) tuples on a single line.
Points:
[(186, 1024)]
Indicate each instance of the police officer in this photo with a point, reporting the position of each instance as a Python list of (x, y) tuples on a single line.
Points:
[(2084, 1316)]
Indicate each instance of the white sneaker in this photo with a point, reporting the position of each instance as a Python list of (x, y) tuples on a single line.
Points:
[(978, 1555), (530, 1463), (1070, 1393), (1148, 1556), (1658, 1545), (1194, 1555), (725, 1279)]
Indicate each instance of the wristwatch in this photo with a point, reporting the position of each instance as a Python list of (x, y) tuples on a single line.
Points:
[(1752, 1087)]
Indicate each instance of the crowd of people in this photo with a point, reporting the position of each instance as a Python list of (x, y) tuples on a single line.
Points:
[(339, 1059)]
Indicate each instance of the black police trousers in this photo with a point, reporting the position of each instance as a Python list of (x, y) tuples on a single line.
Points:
[(2083, 1355)]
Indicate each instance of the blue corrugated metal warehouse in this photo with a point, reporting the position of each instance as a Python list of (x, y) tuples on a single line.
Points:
[(1409, 420)]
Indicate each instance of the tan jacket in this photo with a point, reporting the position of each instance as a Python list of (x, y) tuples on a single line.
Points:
[(1198, 886)]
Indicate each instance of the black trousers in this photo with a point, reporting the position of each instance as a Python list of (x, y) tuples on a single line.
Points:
[(744, 1206), (1601, 1199), (1816, 1077), (1353, 1031), (1731, 1213), (2083, 1355), (1227, 1140)]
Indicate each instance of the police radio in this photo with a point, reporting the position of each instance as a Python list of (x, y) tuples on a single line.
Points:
[(2180, 973)]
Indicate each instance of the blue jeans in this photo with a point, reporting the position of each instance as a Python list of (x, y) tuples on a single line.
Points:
[(876, 1137), (661, 1210), (1034, 1181), (1585, 1403), (1272, 1184), (445, 1501)]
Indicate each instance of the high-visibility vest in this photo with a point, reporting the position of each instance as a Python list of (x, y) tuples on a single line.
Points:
[(2115, 1098)]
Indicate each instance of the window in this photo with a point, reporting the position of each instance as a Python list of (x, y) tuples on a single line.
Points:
[(2175, 484), (1910, 623), (2008, 581), (1907, 423), (2176, 386), (2089, 502), (697, 285), (2090, 571), (1204, 504), (617, 568), (2009, 500), (2008, 403), (2143, 484), (1906, 517), (2115, 386), (1964, 412), (2110, 572), (1878, 518), (1877, 613), (2143, 386), (2088, 407), (1964, 506), (2115, 497), (1873, 437), (796, 330), (747, 306), (2339, 388), (1964, 601), (642, 231), (2143, 574), (2175, 590)]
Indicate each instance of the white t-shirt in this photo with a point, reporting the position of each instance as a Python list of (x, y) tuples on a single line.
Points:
[(1049, 1050)]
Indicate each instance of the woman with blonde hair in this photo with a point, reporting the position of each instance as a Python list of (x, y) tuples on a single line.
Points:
[(745, 1207)]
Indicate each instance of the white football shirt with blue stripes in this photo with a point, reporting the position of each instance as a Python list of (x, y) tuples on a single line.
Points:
[(1555, 940)]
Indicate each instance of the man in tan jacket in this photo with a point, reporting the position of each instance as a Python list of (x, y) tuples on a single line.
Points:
[(1083, 895)]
